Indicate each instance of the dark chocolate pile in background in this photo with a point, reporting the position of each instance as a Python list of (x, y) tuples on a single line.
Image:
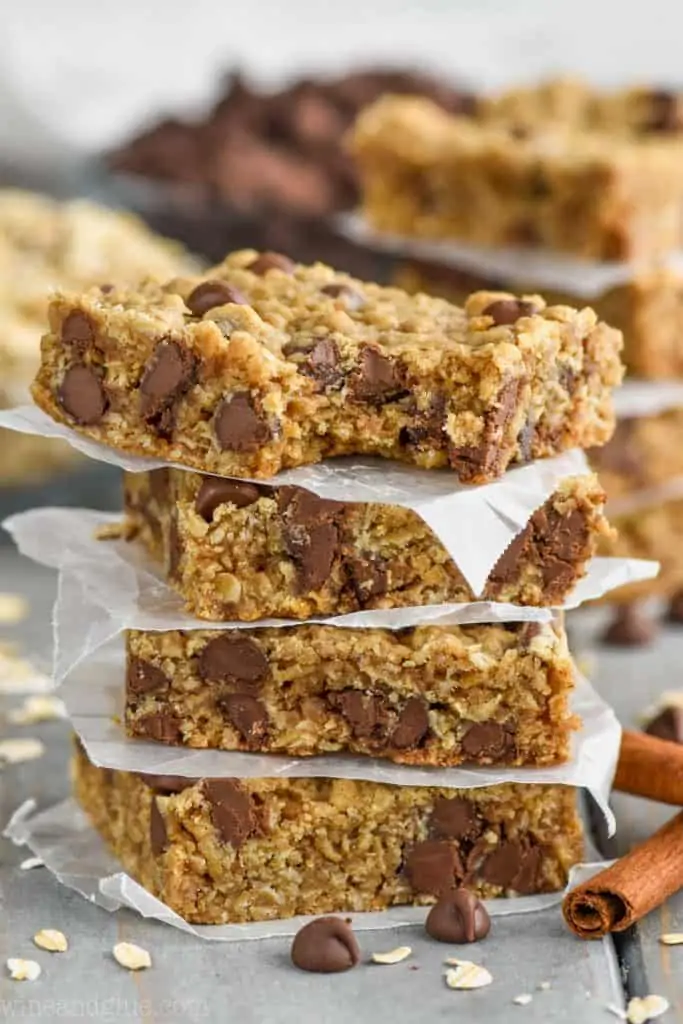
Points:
[(266, 170)]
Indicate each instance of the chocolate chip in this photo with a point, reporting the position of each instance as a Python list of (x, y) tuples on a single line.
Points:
[(366, 713), (512, 865), (630, 627), (368, 576), (488, 741), (78, 328), (160, 726), (210, 294), (143, 677), (377, 378), (667, 725), (508, 311), (82, 396), (326, 946), (674, 612), (454, 818), (458, 917), (665, 112), (434, 867), (238, 426), (428, 426), (167, 784), (412, 725), (473, 462), (232, 656), (157, 829), (352, 299), (247, 714), (310, 534), (232, 813), (323, 364), (271, 261), (215, 491), (170, 373)]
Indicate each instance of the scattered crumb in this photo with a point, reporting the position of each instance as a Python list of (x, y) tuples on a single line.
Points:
[(544, 986), (133, 957), (13, 608), (413, 967), (639, 1011), (23, 970), (523, 1000), (394, 956), (30, 863), (51, 940), (37, 708), (467, 975), (16, 750), (671, 939)]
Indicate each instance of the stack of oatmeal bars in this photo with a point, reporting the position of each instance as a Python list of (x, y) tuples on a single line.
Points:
[(261, 366), (563, 171)]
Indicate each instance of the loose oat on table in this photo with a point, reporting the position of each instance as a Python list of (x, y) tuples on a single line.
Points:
[(30, 863), (671, 939), (52, 940), (264, 364), (639, 1011), (235, 550), (37, 708), (13, 608), (467, 975), (14, 751), (223, 851), (393, 956), (131, 956), (23, 970), (523, 999)]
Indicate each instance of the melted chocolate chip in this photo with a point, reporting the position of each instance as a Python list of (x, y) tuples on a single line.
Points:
[(377, 378), (326, 946), (323, 364), (210, 294), (427, 430), (412, 725), (434, 867), (82, 396), (366, 713), (458, 917), (469, 461), (158, 837), (238, 427), (143, 677), (215, 491), (78, 329), (164, 727), (232, 813), (488, 741), (508, 311), (512, 865), (310, 534), (272, 261), (247, 714), (170, 373), (167, 784), (369, 577), (454, 818), (233, 657)]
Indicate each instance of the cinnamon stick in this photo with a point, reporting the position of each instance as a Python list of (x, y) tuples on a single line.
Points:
[(650, 767), (633, 886)]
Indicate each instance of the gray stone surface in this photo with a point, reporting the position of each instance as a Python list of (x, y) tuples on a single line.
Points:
[(248, 982)]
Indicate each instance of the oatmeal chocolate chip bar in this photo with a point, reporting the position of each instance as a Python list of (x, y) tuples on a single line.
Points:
[(599, 195), (221, 851), (645, 452), (648, 308), (265, 364), (431, 695), (238, 550)]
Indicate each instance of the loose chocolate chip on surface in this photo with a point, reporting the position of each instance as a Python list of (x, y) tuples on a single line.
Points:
[(143, 677), (157, 829), (78, 328), (412, 725), (82, 396), (458, 917), (352, 299), (215, 491), (210, 294), (512, 865), (434, 867), (630, 627), (169, 374), (272, 261), (231, 656), (377, 379), (160, 726), (489, 741), (231, 810), (238, 426), (323, 364), (326, 946), (508, 311), (247, 714), (667, 725), (454, 818)]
